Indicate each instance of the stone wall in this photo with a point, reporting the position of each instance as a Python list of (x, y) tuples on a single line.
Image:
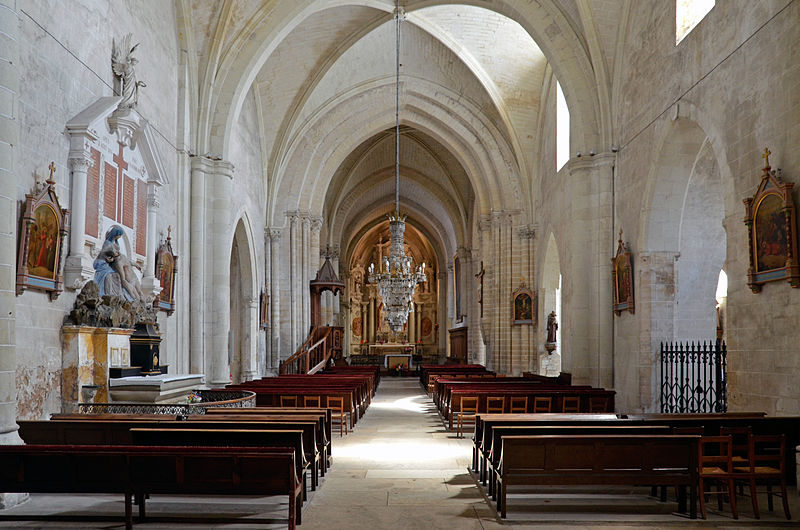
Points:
[(62, 71)]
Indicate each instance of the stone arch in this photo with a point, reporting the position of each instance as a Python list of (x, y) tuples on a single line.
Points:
[(683, 224), (238, 66), (482, 152), (244, 298)]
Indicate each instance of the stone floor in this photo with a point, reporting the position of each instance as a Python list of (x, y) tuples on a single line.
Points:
[(400, 468)]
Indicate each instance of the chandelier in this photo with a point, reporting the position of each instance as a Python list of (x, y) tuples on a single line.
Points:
[(397, 279)]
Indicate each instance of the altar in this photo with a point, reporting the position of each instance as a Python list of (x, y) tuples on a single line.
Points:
[(390, 348)]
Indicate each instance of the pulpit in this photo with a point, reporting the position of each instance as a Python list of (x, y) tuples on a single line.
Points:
[(458, 344)]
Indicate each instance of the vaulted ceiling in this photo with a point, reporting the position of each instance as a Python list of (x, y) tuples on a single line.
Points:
[(473, 80)]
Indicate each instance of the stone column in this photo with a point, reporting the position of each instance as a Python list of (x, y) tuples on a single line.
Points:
[(274, 283), (79, 165), (587, 345), (371, 318), (305, 268), (197, 257), (250, 364), (313, 266), (218, 296), (9, 139), (151, 286), (293, 268)]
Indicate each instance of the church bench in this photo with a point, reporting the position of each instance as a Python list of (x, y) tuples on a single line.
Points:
[(322, 414), (138, 471), (491, 454), (119, 432), (660, 460), (446, 402), (557, 394), (485, 422), (270, 397), (314, 440), (711, 423), (190, 437)]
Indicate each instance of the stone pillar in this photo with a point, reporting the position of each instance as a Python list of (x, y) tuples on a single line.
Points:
[(197, 257), (305, 278), (250, 363), (274, 282), (80, 167), (587, 344), (218, 296), (371, 320), (9, 139), (293, 280), (313, 266), (151, 286)]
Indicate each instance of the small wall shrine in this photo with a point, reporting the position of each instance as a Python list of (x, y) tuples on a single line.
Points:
[(770, 220), (41, 243)]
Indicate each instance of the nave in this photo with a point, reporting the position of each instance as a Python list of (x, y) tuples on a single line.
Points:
[(399, 468)]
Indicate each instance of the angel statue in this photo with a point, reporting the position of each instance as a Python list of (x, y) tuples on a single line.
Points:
[(123, 63)]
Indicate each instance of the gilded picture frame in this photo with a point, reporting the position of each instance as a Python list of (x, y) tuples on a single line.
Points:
[(523, 306), (622, 279), (772, 236), (43, 233)]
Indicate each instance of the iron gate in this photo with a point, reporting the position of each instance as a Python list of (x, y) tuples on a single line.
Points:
[(693, 377)]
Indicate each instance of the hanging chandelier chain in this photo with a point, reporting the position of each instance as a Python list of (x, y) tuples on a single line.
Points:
[(395, 278), (397, 112)]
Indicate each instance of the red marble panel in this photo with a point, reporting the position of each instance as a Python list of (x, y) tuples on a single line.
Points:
[(127, 201), (110, 191), (93, 196)]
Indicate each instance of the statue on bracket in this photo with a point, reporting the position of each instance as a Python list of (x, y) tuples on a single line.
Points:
[(113, 271), (622, 277), (44, 229), (166, 267), (123, 64)]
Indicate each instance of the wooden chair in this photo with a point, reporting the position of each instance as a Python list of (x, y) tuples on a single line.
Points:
[(311, 401), (495, 404), (469, 409), (716, 466), (542, 404), (518, 404), (572, 404), (766, 461), (598, 404), (288, 401), (336, 404), (740, 437)]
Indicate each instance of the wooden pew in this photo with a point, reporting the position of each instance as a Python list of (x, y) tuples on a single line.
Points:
[(661, 460), (485, 422), (556, 393), (138, 471), (492, 460)]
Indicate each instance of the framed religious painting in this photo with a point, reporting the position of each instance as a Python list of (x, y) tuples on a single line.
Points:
[(523, 305), (622, 278), (41, 241), (772, 237), (166, 268), (263, 318)]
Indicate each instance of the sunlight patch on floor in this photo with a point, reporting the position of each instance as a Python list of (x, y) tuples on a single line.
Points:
[(401, 451), (408, 403)]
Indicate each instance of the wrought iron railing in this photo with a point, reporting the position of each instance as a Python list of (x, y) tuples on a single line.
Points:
[(208, 399), (693, 377)]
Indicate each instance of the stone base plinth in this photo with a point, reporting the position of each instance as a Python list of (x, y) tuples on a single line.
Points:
[(154, 388), (85, 358)]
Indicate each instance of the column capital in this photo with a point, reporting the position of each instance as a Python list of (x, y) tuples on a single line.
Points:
[(274, 234), (526, 232), (80, 163), (316, 223)]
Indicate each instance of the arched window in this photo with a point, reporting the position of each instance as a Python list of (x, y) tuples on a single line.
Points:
[(722, 286), (562, 128), (689, 13)]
